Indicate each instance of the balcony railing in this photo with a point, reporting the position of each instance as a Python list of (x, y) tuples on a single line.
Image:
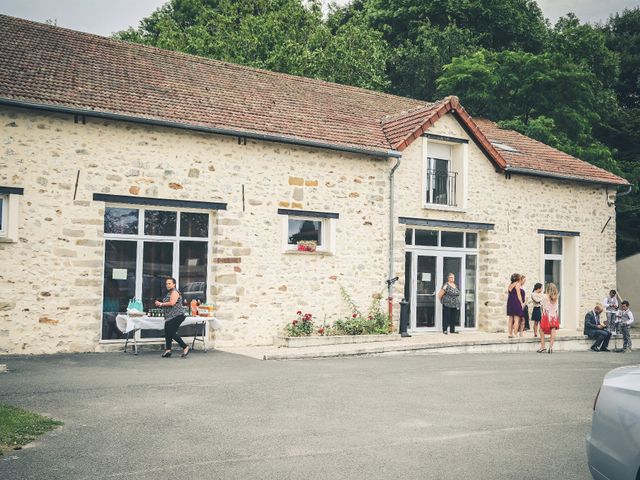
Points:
[(441, 188)]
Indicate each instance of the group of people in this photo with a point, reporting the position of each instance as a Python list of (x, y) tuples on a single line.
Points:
[(543, 313), (618, 319), (546, 320)]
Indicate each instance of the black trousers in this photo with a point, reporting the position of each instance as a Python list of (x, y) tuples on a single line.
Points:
[(601, 338), (171, 332), (449, 318)]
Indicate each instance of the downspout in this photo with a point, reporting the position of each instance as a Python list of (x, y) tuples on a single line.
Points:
[(391, 279)]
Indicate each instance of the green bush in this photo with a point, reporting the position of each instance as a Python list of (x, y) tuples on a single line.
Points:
[(376, 322)]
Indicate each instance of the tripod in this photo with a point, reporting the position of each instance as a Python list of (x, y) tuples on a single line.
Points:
[(615, 333)]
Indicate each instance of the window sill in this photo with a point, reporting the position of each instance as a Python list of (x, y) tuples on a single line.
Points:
[(446, 208), (301, 252), (6, 239)]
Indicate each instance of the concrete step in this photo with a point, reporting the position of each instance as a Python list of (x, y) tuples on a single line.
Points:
[(432, 343)]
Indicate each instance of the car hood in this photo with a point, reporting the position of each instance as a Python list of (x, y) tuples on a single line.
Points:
[(624, 377)]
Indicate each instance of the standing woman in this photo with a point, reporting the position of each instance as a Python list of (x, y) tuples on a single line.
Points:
[(449, 295), (523, 299), (514, 304), (550, 318), (536, 302), (174, 316)]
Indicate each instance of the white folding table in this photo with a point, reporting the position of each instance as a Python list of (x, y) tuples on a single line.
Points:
[(132, 324)]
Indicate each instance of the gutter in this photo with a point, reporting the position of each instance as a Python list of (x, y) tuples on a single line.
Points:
[(626, 192), (219, 131), (557, 176)]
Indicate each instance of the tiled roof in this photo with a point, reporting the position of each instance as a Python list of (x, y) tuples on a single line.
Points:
[(53, 67), (523, 153)]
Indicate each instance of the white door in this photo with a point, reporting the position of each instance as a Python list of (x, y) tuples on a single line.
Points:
[(429, 274)]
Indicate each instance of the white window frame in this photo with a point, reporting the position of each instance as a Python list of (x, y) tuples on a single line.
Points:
[(430, 190), (10, 217), (327, 234), (558, 257), (440, 252), (458, 150), (4, 199), (140, 238)]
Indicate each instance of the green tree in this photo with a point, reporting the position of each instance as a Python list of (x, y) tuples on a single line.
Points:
[(622, 128), (354, 54), (623, 37), (280, 35), (528, 92), (415, 65), (497, 24), (586, 45), (425, 35), (519, 85)]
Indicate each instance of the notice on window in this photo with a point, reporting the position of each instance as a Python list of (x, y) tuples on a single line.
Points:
[(119, 274), (426, 276), (192, 262)]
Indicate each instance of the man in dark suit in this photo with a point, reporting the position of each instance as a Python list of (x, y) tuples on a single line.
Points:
[(593, 329)]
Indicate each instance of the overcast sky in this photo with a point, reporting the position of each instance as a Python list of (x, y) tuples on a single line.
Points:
[(104, 17)]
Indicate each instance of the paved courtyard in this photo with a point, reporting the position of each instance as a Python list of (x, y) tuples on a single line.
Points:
[(224, 416)]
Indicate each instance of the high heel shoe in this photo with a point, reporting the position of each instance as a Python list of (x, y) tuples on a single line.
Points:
[(550, 350), (166, 354), (184, 354), (542, 350)]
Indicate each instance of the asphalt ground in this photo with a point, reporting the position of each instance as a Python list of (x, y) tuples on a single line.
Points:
[(224, 416)]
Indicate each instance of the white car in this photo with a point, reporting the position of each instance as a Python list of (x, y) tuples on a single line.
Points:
[(613, 447)]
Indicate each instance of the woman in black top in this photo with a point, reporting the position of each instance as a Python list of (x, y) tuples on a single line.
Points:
[(173, 316), (449, 295)]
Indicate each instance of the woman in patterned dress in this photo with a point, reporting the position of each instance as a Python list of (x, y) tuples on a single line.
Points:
[(174, 316), (449, 295), (550, 317)]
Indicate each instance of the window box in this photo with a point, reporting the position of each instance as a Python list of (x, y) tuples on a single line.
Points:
[(308, 232)]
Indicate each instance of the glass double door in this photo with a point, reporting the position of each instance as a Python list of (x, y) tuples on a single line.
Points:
[(429, 274), (139, 268)]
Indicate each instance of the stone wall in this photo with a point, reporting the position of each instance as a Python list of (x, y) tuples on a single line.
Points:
[(54, 271), (518, 206)]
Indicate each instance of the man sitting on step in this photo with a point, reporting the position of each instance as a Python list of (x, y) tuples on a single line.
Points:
[(595, 330)]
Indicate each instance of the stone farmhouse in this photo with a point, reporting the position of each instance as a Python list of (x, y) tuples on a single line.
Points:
[(121, 164)]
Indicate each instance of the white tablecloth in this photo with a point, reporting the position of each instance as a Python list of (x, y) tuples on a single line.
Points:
[(127, 323)]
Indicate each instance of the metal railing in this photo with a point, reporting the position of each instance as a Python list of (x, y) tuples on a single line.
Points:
[(441, 188)]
